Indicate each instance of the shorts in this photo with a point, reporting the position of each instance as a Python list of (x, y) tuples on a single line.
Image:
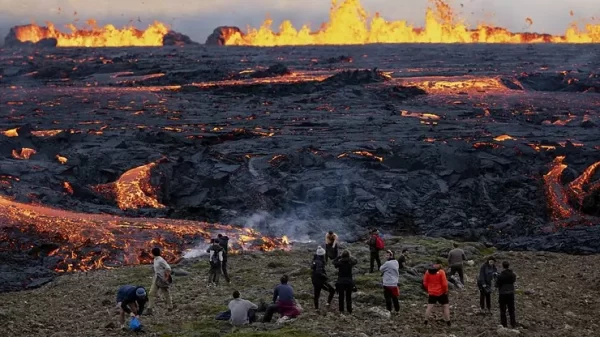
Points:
[(442, 299)]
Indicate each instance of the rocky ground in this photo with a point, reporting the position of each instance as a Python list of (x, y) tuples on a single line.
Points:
[(441, 140), (557, 296)]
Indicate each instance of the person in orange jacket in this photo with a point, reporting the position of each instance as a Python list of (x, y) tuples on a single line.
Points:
[(436, 284)]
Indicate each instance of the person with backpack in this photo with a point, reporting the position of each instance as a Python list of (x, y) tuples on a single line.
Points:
[(320, 279), (391, 274), (215, 259), (331, 246), (456, 257), (506, 294), (345, 281), (224, 243), (130, 300), (376, 244), (487, 274), (436, 285), (161, 282)]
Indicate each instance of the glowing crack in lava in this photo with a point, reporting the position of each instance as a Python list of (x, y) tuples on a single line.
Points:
[(560, 197), (94, 36), (349, 24), (80, 241), (133, 189)]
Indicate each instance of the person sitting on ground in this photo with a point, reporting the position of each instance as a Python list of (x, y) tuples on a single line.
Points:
[(436, 284), (242, 311), (456, 257), (375, 245), (390, 273), (487, 273), (223, 241), (331, 246), (215, 259), (319, 278), (403, 259), (345, 281), (161, 282), (283, 301), (130, 300), (506, 294)]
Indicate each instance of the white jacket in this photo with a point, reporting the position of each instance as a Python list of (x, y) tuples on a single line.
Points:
[(391, 274)]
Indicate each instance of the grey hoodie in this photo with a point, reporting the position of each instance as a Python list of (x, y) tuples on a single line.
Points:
[(390, 273)]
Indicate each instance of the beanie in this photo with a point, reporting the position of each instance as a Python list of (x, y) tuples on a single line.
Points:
[(320, 251), (140, 292)]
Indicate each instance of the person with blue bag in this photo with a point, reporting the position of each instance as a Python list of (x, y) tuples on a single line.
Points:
[(131, 300)]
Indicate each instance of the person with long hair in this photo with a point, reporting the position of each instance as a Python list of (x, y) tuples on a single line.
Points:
[(345, 281)]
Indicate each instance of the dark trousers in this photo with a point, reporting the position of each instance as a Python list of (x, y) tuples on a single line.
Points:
[(485, 299), (321, 285), (271, 309), (345, 295), (224, 270), (375, 257), (389, 299), (252, 315), (459, 270), (214, 273), (507, 302)]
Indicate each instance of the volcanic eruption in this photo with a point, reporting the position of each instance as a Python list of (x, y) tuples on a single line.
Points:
[(349, 23)]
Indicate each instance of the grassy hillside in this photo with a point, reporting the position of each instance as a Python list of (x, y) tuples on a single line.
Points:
[(558, 295)]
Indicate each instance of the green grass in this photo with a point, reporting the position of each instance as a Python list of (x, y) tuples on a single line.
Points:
[(286, 331)]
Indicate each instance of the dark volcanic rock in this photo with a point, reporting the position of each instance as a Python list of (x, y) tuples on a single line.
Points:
[(220, 35), (273, 71), (177, 39), (11, 40)]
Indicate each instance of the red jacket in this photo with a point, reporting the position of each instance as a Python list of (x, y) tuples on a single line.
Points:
[(435, 282)]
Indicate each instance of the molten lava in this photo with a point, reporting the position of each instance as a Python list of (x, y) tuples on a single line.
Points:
[(61, 159), (25, 153), (559, 195), (133, 189), (94, 36), (349, 24), (11, 133), (81, 241)]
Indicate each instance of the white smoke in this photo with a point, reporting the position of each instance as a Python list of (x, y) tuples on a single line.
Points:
[(197, 251)]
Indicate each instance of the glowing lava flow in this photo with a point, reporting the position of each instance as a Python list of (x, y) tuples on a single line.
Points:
[(83, 241), (558, 197), (349, 24), (133, 189), (94, 36)]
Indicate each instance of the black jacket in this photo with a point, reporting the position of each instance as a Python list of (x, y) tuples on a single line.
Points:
[(319, 274), (224, 243), (486, 275), (344, 266), (506, 282)]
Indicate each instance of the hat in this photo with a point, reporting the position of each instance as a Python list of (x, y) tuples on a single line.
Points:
[(320, 251), (140, 292)]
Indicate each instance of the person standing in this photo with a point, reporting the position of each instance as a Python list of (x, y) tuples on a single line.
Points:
[(345, 281), (376, 244), (242, 311), (320, 279), (161, 282), (487, 273), (215, 259), (391, 275), (506, 294), (331, 246), (224, 243), (456, 257), (436, 284)]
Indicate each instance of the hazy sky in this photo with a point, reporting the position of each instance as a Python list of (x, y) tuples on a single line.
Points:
[(197, 18)]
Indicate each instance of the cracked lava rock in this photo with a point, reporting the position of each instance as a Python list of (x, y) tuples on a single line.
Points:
[(128, 148)]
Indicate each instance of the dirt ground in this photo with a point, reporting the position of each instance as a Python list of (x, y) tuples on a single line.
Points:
[(557, 296)]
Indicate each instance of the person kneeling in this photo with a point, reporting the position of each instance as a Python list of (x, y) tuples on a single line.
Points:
[(130, 300), (283, 302), (242, 311)]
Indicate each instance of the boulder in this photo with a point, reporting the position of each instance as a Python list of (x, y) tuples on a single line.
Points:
[(221, 34)]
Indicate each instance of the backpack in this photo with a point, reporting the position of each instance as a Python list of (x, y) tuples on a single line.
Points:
[(379, 243), (214, 260)]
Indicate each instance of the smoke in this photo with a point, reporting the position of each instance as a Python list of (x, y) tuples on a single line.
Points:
[(197, 251)]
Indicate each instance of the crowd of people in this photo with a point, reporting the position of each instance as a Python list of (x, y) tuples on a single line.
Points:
[(132, 299)]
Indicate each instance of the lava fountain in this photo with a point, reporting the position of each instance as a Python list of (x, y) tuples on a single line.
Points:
[(349, 23)]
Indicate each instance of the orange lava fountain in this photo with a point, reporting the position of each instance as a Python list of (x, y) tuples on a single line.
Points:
[(349, 24), (94, 36)]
